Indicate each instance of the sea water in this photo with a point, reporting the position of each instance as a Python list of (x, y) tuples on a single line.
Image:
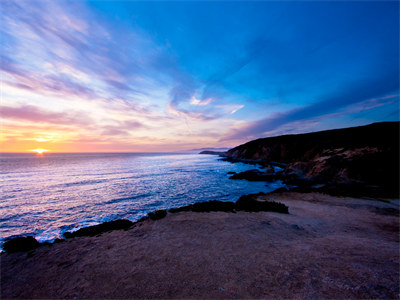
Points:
[(46, 195)]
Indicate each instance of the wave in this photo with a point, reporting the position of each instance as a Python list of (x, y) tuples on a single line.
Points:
[(117, 200), (83, 182)]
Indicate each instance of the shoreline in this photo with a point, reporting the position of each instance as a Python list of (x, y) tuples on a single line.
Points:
[(208, 206), (247, 203), (306, 253)]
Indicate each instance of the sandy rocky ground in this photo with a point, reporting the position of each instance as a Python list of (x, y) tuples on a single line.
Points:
[(326, 247)]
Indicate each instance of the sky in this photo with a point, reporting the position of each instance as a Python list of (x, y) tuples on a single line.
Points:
[(133, 76)]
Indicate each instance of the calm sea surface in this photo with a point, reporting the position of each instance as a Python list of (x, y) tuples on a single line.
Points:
[(46, 195)]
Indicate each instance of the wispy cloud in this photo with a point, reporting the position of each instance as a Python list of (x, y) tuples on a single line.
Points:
[(195, 101), (357, 93), (34, 114), (51, 48)]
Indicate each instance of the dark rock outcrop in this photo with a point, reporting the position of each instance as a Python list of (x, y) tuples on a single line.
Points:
[(208, 206), (213, 205), (212, 152), (158, 214), (20, 244), (250, 203), (270, 170), (98, 229), (356, 190), (279, 190), (242, 160), (247, 203), (256, 175), (180, 209)]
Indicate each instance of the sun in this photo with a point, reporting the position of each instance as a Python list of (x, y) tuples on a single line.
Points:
[(39, 151)]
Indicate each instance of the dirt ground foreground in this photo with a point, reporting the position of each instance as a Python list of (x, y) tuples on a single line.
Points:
[(326, 247)]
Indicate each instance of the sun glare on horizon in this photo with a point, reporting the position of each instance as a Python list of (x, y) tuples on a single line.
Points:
[(39, 151)]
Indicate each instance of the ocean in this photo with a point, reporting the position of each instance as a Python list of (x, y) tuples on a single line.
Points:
[(46, 195)]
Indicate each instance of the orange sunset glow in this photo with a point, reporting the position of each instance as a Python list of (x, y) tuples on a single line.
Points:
[(39, 151)]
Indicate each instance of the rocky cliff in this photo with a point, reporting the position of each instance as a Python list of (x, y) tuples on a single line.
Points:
[(366, 155)]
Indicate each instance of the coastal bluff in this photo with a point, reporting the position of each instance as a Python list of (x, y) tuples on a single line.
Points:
[(365, 157)]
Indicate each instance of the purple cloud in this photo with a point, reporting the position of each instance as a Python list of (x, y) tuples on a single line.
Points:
[(363, 90), (62, 33), (34, 114)]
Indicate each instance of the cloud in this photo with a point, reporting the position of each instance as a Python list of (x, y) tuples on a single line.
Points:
[(231, 108), (37, 115), (192, 114), (187, 103), (113, 131), (195, 101), (122, 129), (44, 84), (376, 86), (183, 100), (61, 47)]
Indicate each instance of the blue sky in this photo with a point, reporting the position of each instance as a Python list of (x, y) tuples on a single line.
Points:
[(174, 75)]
